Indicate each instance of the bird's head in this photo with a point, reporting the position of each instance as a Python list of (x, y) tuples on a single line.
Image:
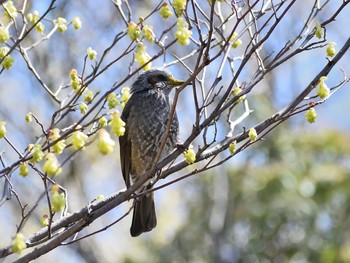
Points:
[(155, 79)]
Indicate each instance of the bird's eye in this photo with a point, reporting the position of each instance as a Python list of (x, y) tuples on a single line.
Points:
[(156, 78)]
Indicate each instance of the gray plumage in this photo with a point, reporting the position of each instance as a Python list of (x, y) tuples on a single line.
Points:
[(146, 115)]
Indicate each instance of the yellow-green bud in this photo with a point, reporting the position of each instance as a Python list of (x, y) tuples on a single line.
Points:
[(88, 97), (51, 166), (232, 147), (252, 135), (44, 221), (61, 24), (58, 201), (103, 122), (323, 91), (78, 139), (134, 31), (18, 244), (237, 43), (311, 115), (76, 23), (7, 62), (23, 169), (237, 91), (179, 5), (165, 11), (331, 49), (73, 74), (318, 31), (112, 101), (4, 34), (92, 54), (182, 33), (125, 94), (3, 51), (74, 80), (148, 33), (2, 129), (60, 145), (117, 124), (28, 117), (40, 27), (100, 197), (141, 56), (10, 10), (83, 108), (189, 155), (38, 154), (105, 144), (30, 17)]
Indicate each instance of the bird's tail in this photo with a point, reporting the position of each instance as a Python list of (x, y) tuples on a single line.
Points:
[(144, 215)]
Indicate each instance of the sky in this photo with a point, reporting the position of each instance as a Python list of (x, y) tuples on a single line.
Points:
[(21, 94)]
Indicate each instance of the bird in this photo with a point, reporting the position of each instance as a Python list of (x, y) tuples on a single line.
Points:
[(146, 115)]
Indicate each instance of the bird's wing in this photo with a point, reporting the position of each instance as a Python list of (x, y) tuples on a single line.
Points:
[(125, 148)]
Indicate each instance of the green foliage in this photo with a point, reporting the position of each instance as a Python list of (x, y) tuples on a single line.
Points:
[(292, 205)]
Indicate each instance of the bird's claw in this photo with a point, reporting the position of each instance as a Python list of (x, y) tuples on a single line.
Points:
[(181, 147)]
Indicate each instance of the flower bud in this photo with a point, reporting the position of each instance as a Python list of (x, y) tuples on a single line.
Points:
[(105, 144), (83, 108), (44, 221), (4, 34), (237, 91), (232, 147), (112, 101), (51, 166), (60, 145), (142, 57), (76, 23), (125, 96), (28, 117), (23, 169), (61, 24), (189, 155), (103, 122), (78, 139), (252, 134), (92, 54), (10, 10), (2, 129), (7, 62), (331, 50), (117, 124), (148, 33), (318, 31), (3, 51), (323, 91), (165, 11), (182, 33), (38, 154), (237, 43), (134, 31), (179, 5), (40, 27), (88, 97), (58, 201), (18, 244), (311, 115)]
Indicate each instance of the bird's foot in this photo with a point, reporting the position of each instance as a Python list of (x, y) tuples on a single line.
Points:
[(181, 147)]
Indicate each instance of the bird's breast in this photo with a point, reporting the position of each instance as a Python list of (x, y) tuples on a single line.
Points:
[(146, 126)]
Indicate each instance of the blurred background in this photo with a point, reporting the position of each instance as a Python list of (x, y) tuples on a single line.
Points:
[(286, 199)]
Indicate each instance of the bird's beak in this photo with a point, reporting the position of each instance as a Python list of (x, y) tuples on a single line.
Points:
[(175, 82)]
